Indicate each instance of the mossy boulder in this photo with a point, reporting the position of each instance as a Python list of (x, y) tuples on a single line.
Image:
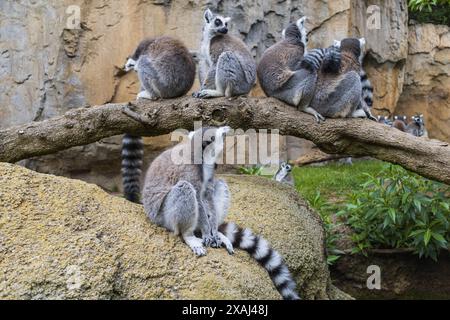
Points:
[(66, 239)]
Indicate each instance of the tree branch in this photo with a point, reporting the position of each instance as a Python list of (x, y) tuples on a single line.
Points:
[(356, 137)]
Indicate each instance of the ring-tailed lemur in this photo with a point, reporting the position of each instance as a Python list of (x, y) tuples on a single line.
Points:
[(226, 66), (340, 94), (188, 199), (417, 126), (285, 72), (284, 174), (166, 69)]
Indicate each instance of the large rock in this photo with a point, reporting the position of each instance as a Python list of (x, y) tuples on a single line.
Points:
[(66, 239)]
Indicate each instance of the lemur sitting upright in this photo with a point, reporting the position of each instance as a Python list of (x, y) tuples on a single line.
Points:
[(284, 174), (226, 66), (166, 69), (340, 94), (188, 199), (285, 73)]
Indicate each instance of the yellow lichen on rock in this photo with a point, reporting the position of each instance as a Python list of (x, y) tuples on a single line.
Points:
[(66, 239)]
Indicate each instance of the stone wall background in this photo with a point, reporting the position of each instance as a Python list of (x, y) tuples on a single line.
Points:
[(47, 69)]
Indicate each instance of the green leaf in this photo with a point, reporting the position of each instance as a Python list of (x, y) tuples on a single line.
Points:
[(417, 205), (427, 237), (438, 237), (392, 214)]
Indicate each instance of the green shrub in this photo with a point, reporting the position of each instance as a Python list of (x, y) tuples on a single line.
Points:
[(430, 11), (419, 5), (399, 209)]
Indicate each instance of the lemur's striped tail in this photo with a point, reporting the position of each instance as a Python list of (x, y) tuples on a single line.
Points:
[(332, 61), (132, 154), (267, 257), (313, 60), (367, 89)]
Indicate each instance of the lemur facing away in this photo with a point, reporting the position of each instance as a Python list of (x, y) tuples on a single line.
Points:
[(166, 69), (284, 174), (188, 199), (340, 94), (226, 66), (286, 74)]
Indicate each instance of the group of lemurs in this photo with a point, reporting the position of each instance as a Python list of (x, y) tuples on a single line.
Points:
[(188, 199), (415, 126)]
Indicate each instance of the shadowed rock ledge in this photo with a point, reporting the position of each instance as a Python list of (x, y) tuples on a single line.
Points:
[(66, 239)]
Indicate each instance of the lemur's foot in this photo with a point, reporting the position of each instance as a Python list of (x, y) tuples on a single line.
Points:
[(196, 245), (319, 118), (146, 95), (316, 115), (207, 93)]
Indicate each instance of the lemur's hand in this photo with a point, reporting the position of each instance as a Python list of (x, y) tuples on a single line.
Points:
[(212, 240)]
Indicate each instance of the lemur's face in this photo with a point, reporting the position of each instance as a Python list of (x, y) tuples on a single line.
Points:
[(131, 64), (286, 167), (418, 120), (215, 24), (296, 32), (212, 141)]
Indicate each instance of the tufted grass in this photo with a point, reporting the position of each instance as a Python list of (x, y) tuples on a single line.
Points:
[(334, 181)]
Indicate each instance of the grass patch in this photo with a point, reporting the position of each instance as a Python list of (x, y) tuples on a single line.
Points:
[(334, 181)]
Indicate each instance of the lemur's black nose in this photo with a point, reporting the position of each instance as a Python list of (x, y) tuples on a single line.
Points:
[(223, 30)]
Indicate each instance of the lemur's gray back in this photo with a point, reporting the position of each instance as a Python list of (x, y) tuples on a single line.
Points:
[(166, 66), (165, 69), (279, 63), (338, 94)]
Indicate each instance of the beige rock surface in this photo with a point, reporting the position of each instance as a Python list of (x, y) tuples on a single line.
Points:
[(66, 239), (427, 78)]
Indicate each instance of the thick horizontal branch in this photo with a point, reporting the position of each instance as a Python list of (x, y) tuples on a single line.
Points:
[(356, 137)]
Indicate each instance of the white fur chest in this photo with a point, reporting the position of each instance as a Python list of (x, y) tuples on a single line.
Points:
[(204, 50)]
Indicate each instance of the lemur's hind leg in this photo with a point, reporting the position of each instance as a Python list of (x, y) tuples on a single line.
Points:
[(180, 215), (359, 113), (209, 89), (222, 204), (147, 77)]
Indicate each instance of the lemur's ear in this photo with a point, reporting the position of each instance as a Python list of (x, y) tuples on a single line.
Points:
[(336, 44), (362, 42), (283, 33), (208, 15), (227, 19)]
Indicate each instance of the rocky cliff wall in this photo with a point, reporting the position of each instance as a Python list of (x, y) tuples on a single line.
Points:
[(47, 68)]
